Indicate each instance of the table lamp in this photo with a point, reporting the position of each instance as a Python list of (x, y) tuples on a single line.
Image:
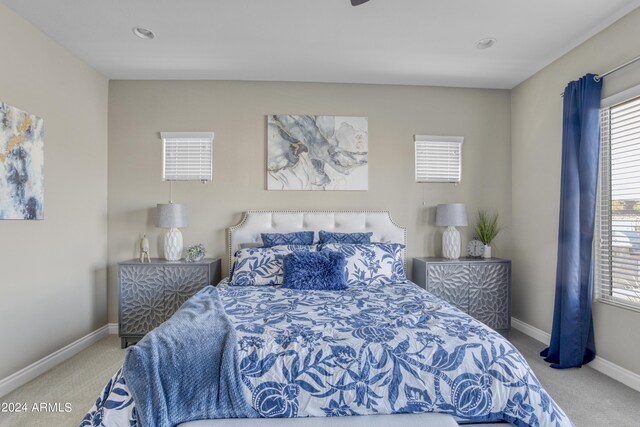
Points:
[(172, 216), (451, 215)]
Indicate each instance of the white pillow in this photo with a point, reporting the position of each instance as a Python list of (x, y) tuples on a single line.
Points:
[(262, 266), (372, 264)]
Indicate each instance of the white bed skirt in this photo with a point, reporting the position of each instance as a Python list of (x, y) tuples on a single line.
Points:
[(400, 420)]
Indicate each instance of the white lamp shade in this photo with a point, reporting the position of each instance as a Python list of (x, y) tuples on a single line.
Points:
[(451, 214), (171, 215)]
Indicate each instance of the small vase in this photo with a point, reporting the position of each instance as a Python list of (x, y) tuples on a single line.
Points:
[(487, 252), (194, 258)]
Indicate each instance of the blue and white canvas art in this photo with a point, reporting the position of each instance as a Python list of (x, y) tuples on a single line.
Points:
[(317, 152), (21, 164)]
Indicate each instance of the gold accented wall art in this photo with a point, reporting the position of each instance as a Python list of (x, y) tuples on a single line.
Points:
[(21, 164)]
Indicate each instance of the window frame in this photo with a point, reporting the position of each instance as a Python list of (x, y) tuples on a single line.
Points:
[(603, 245), (193, 138), (444, 155)]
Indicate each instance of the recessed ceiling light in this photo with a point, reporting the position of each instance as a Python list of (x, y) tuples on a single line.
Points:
[(143, 33), (485, 43)]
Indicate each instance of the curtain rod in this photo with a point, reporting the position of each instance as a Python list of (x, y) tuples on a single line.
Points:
[(598, 77)]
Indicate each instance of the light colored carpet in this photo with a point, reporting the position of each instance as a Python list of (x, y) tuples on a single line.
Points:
[(77, 381), (589, 397)]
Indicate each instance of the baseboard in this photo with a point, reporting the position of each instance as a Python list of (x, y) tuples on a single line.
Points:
[(23, 376), (617, 372), (532, 331), (113, 328)]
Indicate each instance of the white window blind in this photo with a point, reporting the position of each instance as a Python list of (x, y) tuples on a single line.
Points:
[(438, 158), (187, 156), (617, 243)]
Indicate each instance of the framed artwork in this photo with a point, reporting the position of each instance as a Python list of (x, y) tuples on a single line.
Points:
[(21, 164), (307, 152)]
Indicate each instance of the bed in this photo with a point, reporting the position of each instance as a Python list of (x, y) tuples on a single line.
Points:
[(382, 349)]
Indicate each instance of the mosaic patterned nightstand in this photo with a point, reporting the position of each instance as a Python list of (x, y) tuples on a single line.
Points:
[(149, 293), (478, 286)]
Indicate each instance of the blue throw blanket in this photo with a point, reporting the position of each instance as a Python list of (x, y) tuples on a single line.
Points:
[(198, 347)]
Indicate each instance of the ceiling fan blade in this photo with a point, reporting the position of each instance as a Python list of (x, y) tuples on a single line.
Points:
[(358, 2)]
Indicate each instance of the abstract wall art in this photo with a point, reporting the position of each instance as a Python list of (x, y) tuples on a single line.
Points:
[(307, 152), (21, 164)]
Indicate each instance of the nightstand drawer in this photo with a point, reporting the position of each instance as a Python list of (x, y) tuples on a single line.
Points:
[(450, 282), (141, 298), (489, 294), (181, 282)]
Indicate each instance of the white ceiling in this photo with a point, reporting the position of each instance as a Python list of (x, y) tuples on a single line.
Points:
[(417, 42)]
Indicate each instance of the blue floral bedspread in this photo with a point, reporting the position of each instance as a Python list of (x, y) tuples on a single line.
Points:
[(366, 350)]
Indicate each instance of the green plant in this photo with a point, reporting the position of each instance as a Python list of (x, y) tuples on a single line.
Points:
[(195, 253), (487, 227)]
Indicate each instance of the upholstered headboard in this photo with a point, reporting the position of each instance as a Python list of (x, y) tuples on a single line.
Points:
[(255, 222)]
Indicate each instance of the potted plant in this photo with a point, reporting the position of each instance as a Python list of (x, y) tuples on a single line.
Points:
[(487, 229), (195, 253)]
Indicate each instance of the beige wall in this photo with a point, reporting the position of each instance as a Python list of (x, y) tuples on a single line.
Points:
[(536, 114), (53, 279), (236, 112)]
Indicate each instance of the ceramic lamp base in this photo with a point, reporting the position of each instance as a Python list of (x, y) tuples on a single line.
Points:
[(173, 245), (451, 243)]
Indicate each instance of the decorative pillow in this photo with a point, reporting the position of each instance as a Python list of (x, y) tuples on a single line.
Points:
[(250, 245), (353, 238), (315, 270), (261, 266), (373, 264), (279, 239)]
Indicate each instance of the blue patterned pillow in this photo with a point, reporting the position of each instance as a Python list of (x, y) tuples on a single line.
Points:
[(353, 238), (323, 271), (261, 266), (373, 264), (278, 239)]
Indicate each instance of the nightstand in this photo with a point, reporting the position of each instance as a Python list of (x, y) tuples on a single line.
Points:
[(149, 293), (480, 287)]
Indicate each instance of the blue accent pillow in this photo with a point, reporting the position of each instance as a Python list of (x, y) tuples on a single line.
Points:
[(351, 238), (277, 239), (324, 271)]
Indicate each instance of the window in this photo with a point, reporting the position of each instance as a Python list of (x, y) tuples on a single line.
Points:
[(187, 156), (617, 242), (438, 158)]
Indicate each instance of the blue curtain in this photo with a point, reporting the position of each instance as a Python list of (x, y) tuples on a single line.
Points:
[(572, 343)]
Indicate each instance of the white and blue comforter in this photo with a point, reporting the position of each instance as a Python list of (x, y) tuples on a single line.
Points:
[(366, 350)]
